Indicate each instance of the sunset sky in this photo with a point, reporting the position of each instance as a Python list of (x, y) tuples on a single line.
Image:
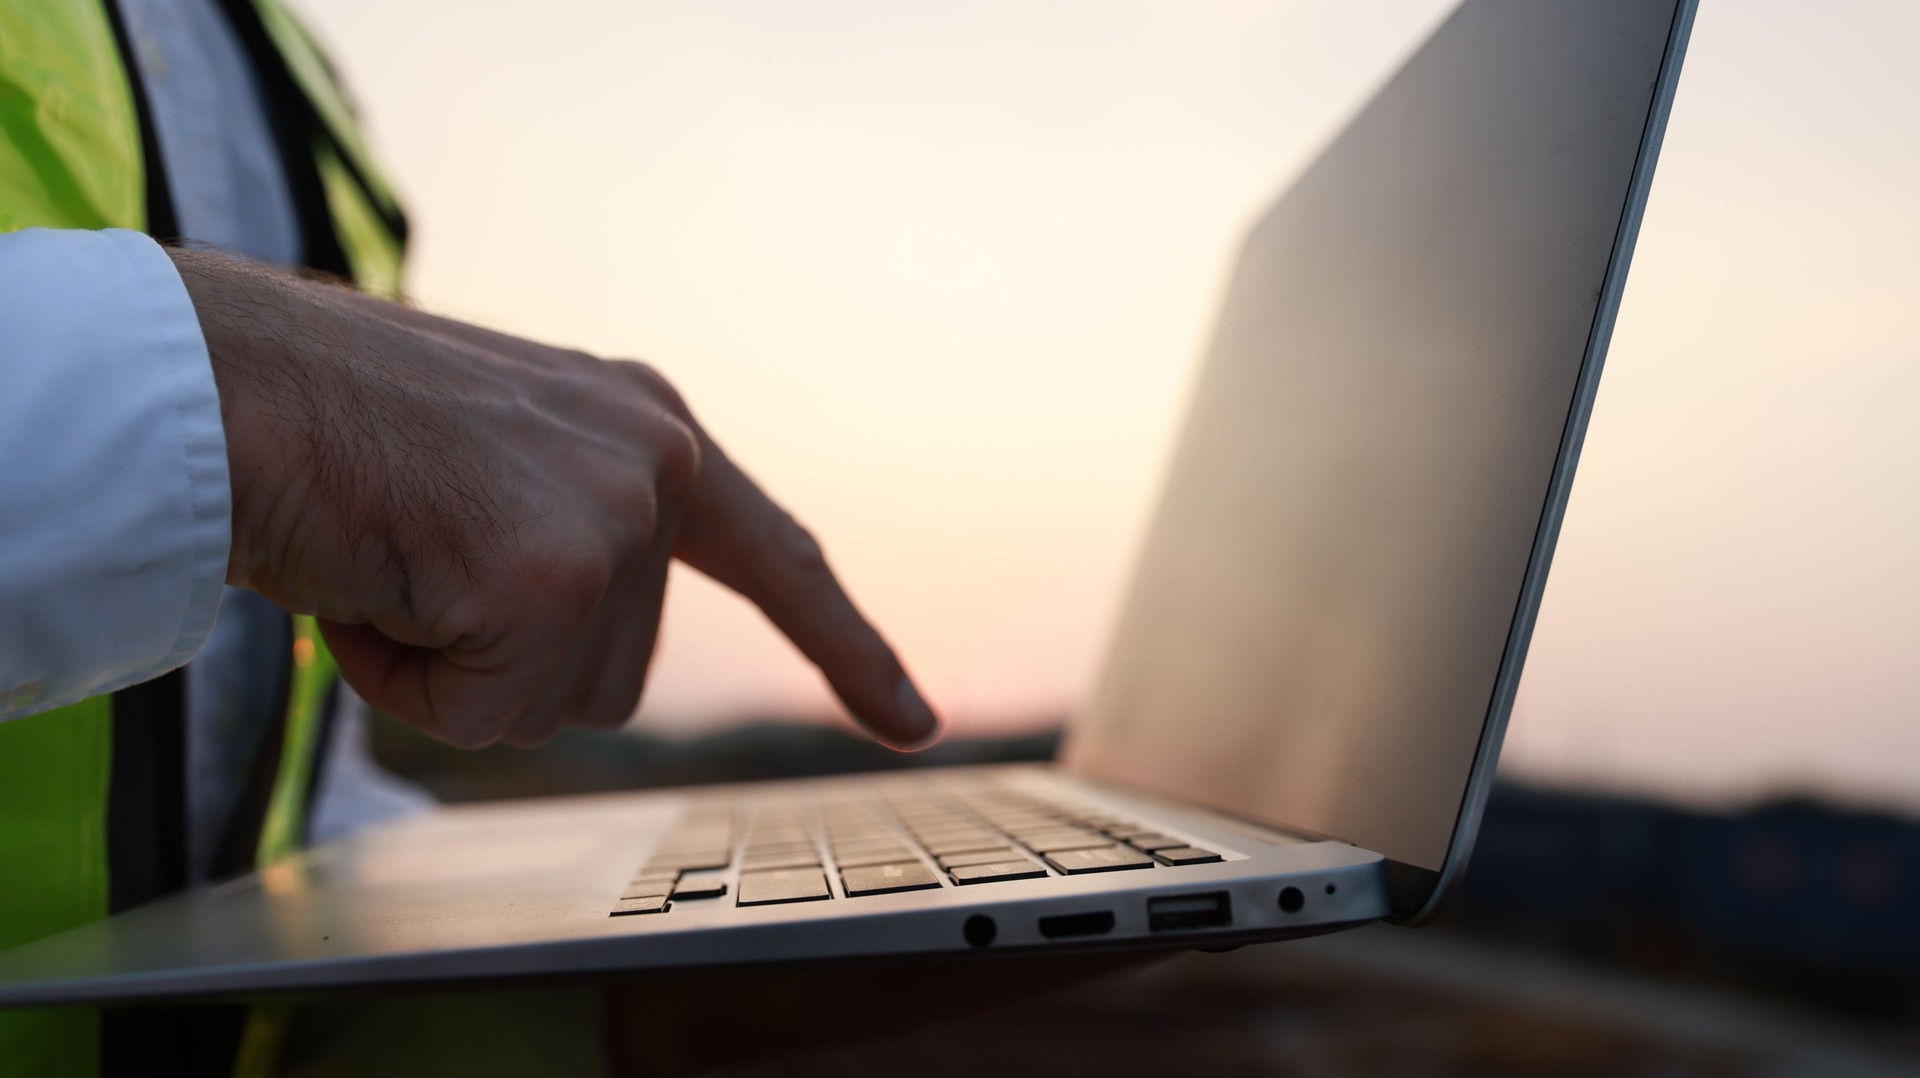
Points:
[(939, 273)]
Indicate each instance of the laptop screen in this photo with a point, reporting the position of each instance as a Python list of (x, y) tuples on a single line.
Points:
[(1334, 594)]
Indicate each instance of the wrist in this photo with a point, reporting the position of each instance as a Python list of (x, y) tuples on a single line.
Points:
[(245, 315)]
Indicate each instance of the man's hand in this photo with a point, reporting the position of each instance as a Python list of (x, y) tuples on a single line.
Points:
[(483, 524)]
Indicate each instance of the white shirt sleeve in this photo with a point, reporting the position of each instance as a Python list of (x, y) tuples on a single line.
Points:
[(115, 509)]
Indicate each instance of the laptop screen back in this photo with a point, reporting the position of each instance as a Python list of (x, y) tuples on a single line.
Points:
[(1328, 596)]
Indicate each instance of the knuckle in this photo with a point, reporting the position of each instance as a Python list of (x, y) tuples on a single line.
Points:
[(638, 507), (569, 581), (462, 621), (679, 449), (803, 553), (656, 386)]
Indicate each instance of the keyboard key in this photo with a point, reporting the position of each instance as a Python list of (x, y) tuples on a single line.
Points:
[(700, 887), (1151, 842), (1021, 869), (648, 888), (865, 844), (965, 845), (887, 856), (884, 879), (808, 859), (1105, 859), (1023, 822), (1186, 855), (980, 857), (1063, 841), (650, 904), (783, 885), (848, 838), (1047, 830)]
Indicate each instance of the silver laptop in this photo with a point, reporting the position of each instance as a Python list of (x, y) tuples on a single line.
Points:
[(1298, 720)]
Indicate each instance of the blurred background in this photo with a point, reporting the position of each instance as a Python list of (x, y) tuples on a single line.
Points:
[(939, 274)]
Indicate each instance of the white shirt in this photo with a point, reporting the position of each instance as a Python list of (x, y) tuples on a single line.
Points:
[(115, 506), (115, 512)]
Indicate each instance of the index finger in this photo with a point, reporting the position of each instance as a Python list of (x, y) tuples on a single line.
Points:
[(738, 536)]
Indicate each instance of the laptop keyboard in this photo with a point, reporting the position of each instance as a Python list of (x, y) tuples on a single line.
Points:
[(788, 850)]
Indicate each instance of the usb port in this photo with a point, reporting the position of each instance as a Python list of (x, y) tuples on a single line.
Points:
[(1176, 913)]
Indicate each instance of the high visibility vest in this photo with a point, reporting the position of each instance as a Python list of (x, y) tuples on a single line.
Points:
[(71, 156)]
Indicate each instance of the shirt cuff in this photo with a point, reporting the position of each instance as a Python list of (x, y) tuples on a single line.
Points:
[(115, 508)]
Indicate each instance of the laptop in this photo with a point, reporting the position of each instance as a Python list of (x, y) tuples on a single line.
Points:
[(1298, 719)]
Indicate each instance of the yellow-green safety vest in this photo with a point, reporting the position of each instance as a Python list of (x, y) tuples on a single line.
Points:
[(71, 157)]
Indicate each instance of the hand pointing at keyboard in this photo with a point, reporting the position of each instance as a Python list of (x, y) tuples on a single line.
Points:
[(484, 524)]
